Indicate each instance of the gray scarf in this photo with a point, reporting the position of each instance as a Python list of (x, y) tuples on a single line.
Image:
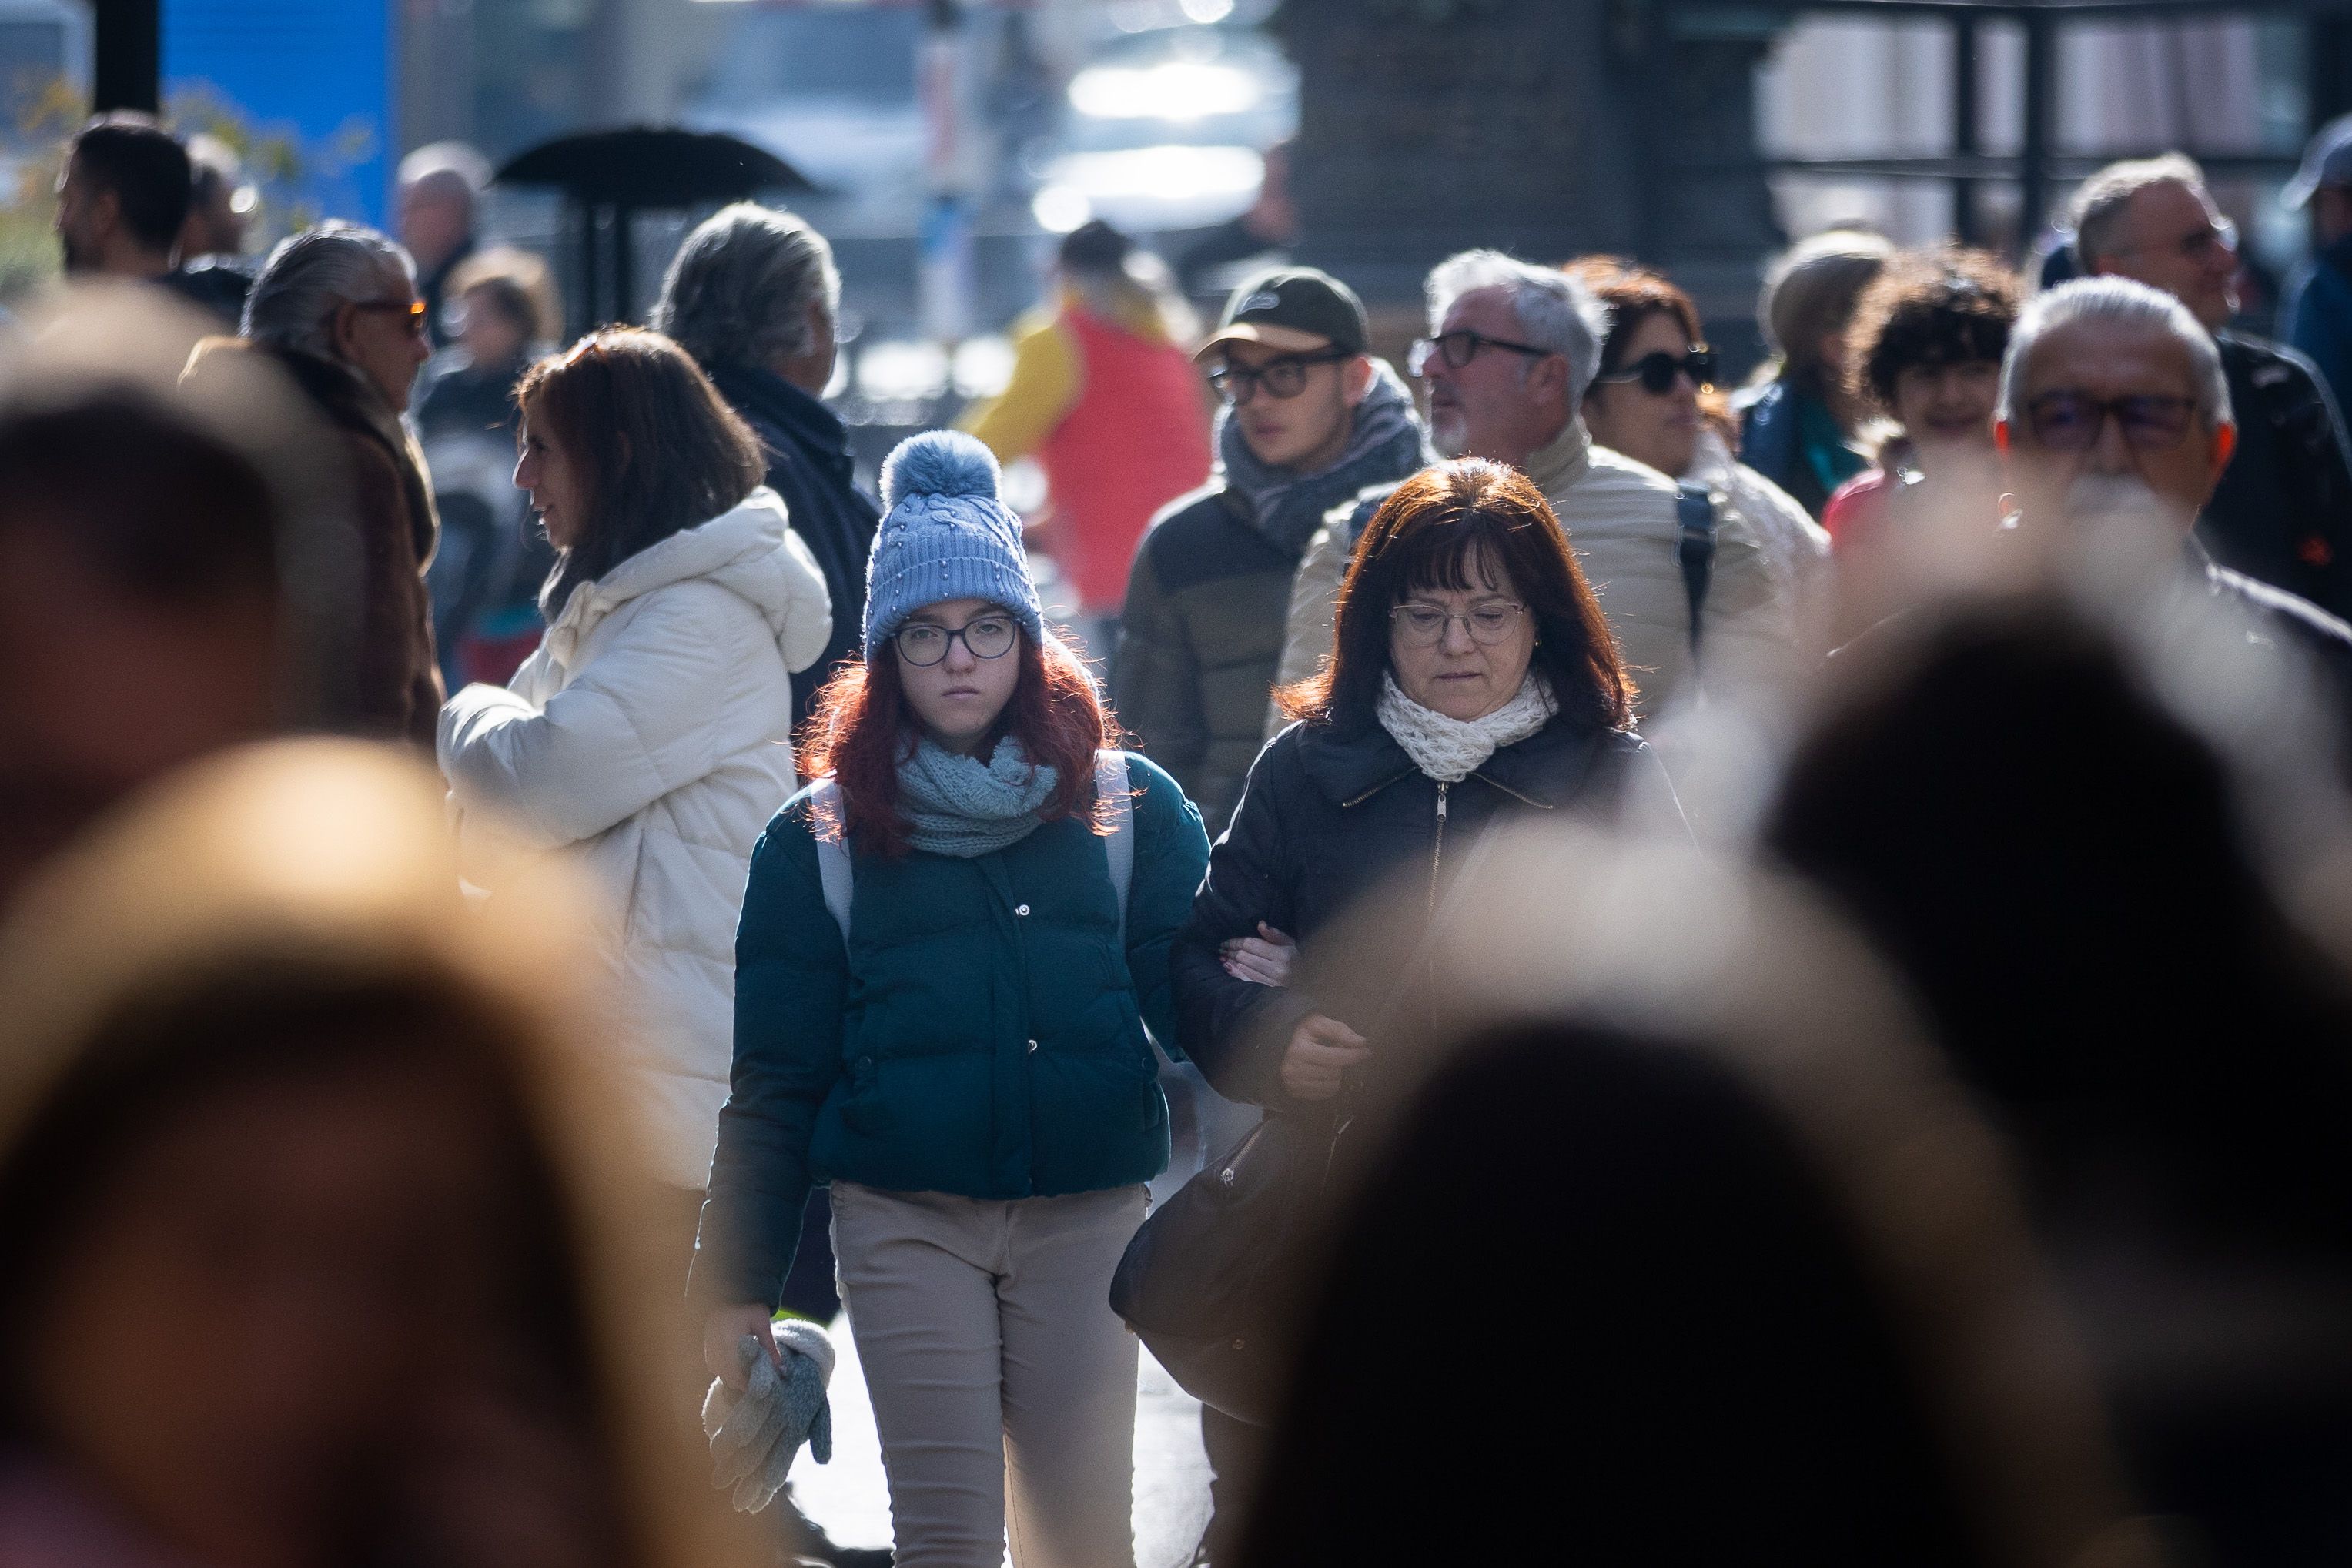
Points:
[(963, 807), (1386, 445)]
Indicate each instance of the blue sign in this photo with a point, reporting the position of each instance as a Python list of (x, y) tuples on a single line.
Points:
[(309, 78)]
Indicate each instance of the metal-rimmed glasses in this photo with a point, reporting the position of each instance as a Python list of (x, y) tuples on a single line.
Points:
[(1284, 376), (414, 311), (1424, 625), (923, 644), (1457, 348)]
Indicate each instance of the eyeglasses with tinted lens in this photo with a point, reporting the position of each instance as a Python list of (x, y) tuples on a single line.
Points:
[(1656, 371), (413, 309), (988, 637), (1424, 625), (1458, 349), (1284, 376), (2071, 421)]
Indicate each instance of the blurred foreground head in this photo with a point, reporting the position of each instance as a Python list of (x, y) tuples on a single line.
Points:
[(168, 563), (2064, 836), (1745, 1282), (314, 1247)]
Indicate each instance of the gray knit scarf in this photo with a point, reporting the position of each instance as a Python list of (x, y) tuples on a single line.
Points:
[(963, 807), (1386, 445)]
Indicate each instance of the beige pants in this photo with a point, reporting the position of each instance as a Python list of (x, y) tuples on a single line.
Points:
[(1004, 1387)]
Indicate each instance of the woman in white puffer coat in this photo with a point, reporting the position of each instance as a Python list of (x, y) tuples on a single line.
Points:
[(650, 732)]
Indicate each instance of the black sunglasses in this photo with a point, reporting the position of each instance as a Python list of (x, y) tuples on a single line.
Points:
[(2071, 421), (1656, 371)]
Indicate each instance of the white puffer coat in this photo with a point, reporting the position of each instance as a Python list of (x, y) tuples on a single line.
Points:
[(651, 733)]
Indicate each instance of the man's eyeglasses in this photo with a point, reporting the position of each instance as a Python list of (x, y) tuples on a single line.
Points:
[(1284, 376), (1656, 371), (412, 309), (987, 637), (2071, 421), (1458, 349), (1424, 625)]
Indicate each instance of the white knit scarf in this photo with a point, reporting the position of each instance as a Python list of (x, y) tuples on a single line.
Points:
[(1450, 749)]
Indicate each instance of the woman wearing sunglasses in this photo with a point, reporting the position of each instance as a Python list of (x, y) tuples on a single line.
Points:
[(1655, 399), (940, 1009), (650, 734), (336, 309)]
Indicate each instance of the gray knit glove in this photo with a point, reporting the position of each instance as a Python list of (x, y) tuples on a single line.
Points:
[(755, 1435)]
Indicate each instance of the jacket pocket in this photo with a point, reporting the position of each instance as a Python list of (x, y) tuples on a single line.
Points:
[(865, 1109)]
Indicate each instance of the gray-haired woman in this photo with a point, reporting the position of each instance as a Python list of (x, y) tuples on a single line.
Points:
[(336, 308)]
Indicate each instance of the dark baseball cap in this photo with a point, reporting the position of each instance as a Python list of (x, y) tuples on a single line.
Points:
[(1295, 310)]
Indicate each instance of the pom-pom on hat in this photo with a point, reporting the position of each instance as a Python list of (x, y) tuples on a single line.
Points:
[(946, 535)]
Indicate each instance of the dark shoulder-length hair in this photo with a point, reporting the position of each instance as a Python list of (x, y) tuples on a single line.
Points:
[(657, 449), (1634, 294), (1427, 536), (862, 729)]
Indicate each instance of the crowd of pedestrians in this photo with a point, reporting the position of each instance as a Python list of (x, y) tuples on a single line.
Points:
[(1925, 1157)]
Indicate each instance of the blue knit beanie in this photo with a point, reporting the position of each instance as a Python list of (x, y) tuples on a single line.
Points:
[(946, 536)]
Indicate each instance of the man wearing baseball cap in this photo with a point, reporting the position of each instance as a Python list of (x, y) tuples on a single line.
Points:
[(1309, 419), (2317, 317)]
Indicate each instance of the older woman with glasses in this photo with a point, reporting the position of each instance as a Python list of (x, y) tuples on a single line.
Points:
[(1473, 681)]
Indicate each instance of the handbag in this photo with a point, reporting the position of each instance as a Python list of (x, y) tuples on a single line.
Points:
[(1201, 1282)]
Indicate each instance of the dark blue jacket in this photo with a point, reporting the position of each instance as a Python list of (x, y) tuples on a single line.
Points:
[(2317, 320), (810, 466), (982, 1033)]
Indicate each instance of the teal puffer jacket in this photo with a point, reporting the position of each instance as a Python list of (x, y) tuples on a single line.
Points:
[(980, 1033)]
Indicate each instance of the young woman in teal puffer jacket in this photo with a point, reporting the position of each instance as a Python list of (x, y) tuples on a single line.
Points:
[(966, 1062)]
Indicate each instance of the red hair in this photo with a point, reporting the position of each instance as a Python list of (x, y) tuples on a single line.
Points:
[(862, 729)]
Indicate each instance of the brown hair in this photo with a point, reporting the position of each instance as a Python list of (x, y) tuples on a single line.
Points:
[(862, 730), (1634, 294), (1426, 536), (1944, 306), (518, 283), (657, 448)]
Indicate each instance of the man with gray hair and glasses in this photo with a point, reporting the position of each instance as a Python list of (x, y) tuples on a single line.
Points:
[(2115, 406), (2283, 512), (753, 294), (336, 308), (1512, 349)]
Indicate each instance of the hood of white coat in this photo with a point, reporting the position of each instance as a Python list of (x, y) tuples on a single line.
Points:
[(749, 551)]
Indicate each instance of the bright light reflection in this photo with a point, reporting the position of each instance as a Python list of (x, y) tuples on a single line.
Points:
[(1058, 209), (902, 372), (1173, 173), (1174, 89)]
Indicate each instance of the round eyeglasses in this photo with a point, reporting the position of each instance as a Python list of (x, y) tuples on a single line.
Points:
[(985, 637), (1424, 625), (1284, 376)]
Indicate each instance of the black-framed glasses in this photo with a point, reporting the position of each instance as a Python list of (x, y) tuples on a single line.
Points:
[(923, 644), (412, 309), (1284, 376), (1656, 371), (1459, 348), (1424, 625), (2071, 421)]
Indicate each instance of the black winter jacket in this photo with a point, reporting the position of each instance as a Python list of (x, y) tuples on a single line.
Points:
[(810, 466), (2283, 513), (1331, 812)]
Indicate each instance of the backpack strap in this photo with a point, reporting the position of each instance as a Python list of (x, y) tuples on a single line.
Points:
[(1111, 786), (1695, 550), (832, 867)]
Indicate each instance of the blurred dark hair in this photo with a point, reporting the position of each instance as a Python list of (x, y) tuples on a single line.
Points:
[(146, 167), (2057, 865), (657, 448), (157, 507), (1721, 1379), (1093, 247), (1944, 305), (1427, 535)]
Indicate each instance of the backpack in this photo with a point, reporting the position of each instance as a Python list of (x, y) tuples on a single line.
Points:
[(838, 872)]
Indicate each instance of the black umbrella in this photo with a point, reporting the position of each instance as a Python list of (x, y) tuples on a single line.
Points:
[(608, 176)]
